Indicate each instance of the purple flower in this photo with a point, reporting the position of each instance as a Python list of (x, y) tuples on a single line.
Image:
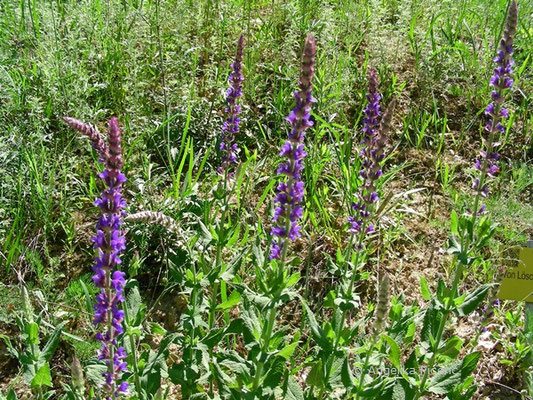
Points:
[(290, 192), (500, 82), (228, 150), (372, 153), (109, 243)]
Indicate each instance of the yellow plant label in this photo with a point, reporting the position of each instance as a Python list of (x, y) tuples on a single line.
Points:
[(517, 283)]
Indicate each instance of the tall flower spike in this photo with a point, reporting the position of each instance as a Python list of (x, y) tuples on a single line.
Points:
[(372, 153), (372, 109), (96, 140), (501, 81), (227, 148), (110, 243), (290, 192)]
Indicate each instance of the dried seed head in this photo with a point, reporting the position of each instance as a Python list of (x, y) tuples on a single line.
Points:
[(77, 375), (96, 139), (308, 64), (386, 120), (383, 304), (511, 24), (154, 217), (240, 50)]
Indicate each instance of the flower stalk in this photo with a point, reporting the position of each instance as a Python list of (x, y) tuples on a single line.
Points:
[(290, 192), (109, 243), (501, 82)]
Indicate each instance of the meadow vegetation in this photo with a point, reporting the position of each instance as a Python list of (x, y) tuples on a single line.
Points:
[(348, 249)]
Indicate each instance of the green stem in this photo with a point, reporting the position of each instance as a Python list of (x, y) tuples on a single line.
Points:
[(272, 316), (214, 294), (365, 366), (440, 331), (266, 344), (131, 338), (483, 176), (339, 326), (110, 329)]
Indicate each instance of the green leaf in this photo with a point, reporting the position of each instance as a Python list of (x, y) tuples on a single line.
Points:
[(394, 354), (293, 279), (235, 236), (469, 363), (287, 351), (317, 332), (133, 305), (454, 222), (444, 381), (451, 347), (252, 322), (42, 377), (233, 299), (315, 375), (294, 391), (473, 300), (424, 288), (346, 374), (32, 330), (232, 269), (275, 373), (11, 395), (157, 328), (430, 325), (50, 347), (93, 372)]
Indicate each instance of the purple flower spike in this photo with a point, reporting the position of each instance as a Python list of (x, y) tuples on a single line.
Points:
[(228, 150), (109, 243), (372, 110), (500, 82), (290, 193), (373, 142)]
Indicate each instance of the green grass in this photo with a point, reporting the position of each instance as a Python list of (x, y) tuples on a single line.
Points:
[(161, 67)]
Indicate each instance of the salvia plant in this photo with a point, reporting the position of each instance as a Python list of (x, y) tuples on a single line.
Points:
[(291, 190), (110, 243), (223, 334)]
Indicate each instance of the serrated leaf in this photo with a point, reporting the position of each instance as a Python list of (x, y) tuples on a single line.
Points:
[(133, 304), (51, 345), (394, 354), (315, 375), (424, 288), (452, 347), (294, 391), (473, 300), (287, 351), (444, 381), (42, 377), (293, 279), (319, 336), (233, 299), (346, 374), (275, 373)]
